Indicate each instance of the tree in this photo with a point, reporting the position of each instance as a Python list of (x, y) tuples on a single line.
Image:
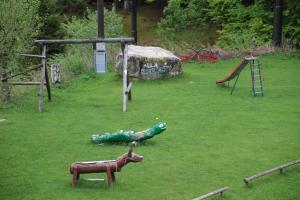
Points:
[(19, 24)]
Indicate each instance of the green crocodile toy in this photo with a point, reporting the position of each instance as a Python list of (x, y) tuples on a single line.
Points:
[(129, 136)]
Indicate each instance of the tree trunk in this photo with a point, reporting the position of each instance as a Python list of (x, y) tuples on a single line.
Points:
[(5, 93)]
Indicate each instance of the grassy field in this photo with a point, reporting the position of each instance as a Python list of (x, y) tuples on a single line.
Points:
[(213, 139)]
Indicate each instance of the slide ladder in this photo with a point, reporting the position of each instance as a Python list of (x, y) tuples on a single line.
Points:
[(256, 76)]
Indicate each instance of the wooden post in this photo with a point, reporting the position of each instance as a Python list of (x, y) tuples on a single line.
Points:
[(5, 88), (43, 71), (125, 55), (129, 88), (280, 169), (219, 191), (47, 83)]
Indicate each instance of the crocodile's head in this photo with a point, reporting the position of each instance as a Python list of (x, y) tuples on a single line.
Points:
[(159, 127)]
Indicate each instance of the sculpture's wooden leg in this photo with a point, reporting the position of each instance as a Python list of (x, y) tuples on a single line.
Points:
[(113, 177), (78, 176), (109, 177), (75, 175)]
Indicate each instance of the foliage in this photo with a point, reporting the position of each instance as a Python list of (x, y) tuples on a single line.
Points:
[(19, 25), (182, 15), (213, 139), (291, 23), (237, 21), (241, 23), (78, 58)]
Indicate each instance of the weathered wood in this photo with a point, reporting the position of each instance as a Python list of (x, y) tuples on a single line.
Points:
[(280, 169), (43, 71), (33, 56), (4, 88), (55, 73), (47, 84), (86, 41), (125, 57), (219, 191), (34, 67), (128, 89), (25, 83), (93, 179)]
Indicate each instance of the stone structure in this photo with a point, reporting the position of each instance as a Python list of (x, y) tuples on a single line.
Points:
[(149, 63)]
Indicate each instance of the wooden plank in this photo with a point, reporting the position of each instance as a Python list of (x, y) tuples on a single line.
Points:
[(128, 88), (33, 56), (219, 191), (26, 83), (125, 56), (47, 83), (93, 179), (43, 68), (34, 67), (99, 161), (280, 169), (86, 41)]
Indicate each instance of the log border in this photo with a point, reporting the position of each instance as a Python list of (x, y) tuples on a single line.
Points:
[(213, 193), (247, 180)]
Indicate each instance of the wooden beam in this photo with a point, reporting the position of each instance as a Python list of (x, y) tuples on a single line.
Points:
[(128, 88), (26, 83), (86, 41), (33, 56), (24, 72), (125, 56), (219, 191), (47, 83), (43, 71), (280, 169)]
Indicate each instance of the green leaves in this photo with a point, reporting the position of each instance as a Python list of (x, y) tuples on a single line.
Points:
[(19, 24)]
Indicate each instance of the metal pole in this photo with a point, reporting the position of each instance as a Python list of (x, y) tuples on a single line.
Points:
[(133, 21), (100, 13), (277, 29)]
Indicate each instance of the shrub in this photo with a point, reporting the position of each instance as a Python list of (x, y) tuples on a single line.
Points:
[(78, 58)]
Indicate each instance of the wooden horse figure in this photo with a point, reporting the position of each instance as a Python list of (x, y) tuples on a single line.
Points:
[(106, 166)]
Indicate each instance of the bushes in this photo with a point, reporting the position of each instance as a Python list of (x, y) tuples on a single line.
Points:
[(19, 25), (79, 58), (236, 21)]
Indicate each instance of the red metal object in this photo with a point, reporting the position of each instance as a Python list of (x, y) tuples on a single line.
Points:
[(106, 166), (198, 56)]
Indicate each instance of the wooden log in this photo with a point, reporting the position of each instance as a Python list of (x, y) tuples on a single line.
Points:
[(125, 56), (128, 89), (86, 41), (280, 169), (43, 71), (26, 83), (33, 56), (5, 96), (34, 67), (93, 179), (47, 84), (219, 191), (128, 92)]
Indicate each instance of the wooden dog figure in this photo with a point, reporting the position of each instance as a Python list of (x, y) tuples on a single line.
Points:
[(106, 166)]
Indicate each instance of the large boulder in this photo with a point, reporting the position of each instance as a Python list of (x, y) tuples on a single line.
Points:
[(149, 63)]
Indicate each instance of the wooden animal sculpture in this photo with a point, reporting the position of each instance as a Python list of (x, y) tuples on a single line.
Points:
[(130, 136), (106, 166)]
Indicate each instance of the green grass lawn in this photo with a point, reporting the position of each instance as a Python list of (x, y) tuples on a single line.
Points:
[(213, 139)]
